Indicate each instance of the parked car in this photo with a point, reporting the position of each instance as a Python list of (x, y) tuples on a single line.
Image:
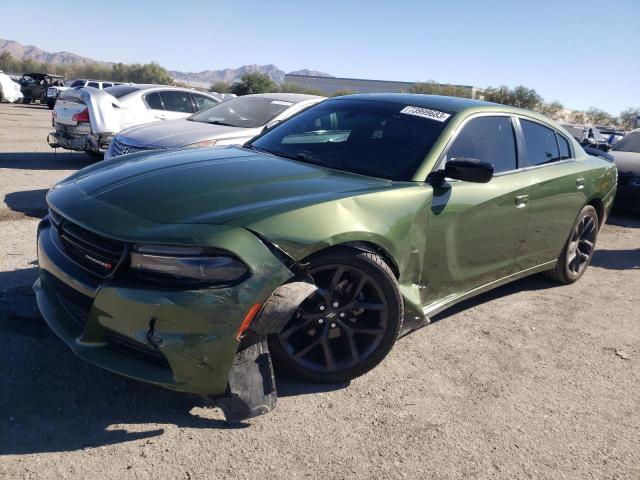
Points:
[(9, 90), (626, 155), (86, 119), (233, 122), (317, 243), (611, 134), (588, 136), (54, 91), (34, 86)]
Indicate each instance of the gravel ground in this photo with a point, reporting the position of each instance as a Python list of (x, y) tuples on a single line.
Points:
[(532, 380)]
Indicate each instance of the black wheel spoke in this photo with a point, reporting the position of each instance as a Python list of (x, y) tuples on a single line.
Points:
[(369, 306), (297, 326), (328, 353), (341, 326)]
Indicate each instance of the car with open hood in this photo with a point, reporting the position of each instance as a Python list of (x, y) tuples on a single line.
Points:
[(233, 122), (86, 118), (34, 86), (315, 245)]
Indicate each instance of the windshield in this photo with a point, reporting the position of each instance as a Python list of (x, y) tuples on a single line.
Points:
[(246, 112), (629, 143), (376, 138)]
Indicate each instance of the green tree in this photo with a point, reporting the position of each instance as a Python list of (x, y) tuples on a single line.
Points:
[(520, 96), (627, 118), (578, 117), (553, 109), (342, 91), (295, 88), (599, 117), (8, 63), (220, 87), (254, 82), (430, 87)]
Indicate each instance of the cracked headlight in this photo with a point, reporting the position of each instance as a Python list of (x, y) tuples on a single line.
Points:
[(187, 264)]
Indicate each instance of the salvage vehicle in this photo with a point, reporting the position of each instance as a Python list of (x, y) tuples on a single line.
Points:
[(611, 134), (233, 122), (54, 92), (9, 90), (626, 155), (588, 136), (317, 243), (34, 86), (86, 119)]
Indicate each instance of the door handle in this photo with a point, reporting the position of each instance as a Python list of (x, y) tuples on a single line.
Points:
[(580, 183), (521, 201)]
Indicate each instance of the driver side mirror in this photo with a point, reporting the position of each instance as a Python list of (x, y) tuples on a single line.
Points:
[(465, 169)]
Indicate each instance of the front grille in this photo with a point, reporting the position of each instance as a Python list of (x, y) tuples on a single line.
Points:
[(95, 253), (139, 350), (121, 148), (79, 313)]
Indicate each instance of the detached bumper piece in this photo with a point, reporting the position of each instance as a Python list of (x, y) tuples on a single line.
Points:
[(252, 389)]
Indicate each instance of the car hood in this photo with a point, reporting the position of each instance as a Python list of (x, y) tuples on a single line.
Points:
[(627, 162), (178, 133), (205, 185)]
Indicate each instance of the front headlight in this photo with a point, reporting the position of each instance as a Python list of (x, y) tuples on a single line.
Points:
[(188, 264)]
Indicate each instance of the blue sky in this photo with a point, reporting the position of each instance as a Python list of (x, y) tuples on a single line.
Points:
[(582, 53)]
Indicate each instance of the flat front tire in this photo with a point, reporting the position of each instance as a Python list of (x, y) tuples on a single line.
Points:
[(348, 326), (578, 250)]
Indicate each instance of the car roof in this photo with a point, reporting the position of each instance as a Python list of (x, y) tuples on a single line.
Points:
[(287, 97)]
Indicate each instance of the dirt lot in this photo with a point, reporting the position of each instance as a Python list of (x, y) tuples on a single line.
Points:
[(532, 380)]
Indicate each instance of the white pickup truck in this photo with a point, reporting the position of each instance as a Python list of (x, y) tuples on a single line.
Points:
[(86, 118)]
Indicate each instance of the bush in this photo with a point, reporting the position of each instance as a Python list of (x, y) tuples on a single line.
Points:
[(254, 82)]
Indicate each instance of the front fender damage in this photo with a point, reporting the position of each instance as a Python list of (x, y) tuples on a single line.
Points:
[(251, 389)]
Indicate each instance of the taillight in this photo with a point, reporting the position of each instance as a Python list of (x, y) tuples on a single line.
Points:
[(83, 116)]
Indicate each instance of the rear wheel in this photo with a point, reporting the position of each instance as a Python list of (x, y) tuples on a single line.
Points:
[(348, 326), (577, 252)]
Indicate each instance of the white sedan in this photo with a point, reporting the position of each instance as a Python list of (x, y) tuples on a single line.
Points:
[(86, 119)]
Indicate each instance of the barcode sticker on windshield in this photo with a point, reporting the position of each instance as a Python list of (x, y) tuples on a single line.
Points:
[(426, 113), (281, 102)]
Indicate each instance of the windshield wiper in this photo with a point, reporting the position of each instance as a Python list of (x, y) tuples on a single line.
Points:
[(301, 156), (217, 122)]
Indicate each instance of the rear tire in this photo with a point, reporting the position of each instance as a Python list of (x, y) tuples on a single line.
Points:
[(578, 250), (348, 326)]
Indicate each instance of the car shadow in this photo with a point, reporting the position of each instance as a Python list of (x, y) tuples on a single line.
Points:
[(616, 259), (31, 203), (534, 282), (624, 218), (54, 160), (52, 401), (37, 106)]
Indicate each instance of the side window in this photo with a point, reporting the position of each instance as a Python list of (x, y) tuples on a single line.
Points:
[(565, 150), (106, 85), (153, 101), (203, 102), (176, 101), (93, 84), (540, 142), (490, 139)]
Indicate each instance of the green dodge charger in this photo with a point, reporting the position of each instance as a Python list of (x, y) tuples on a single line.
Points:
[(313, 247)]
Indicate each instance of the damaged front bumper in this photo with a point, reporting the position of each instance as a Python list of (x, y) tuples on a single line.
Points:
[(182, 339)]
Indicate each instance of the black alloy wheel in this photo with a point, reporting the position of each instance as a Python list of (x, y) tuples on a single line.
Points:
[(347, 326)]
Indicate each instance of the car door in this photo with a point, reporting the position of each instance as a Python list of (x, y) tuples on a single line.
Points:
[(176, 103), (556, 194), (474, 229)]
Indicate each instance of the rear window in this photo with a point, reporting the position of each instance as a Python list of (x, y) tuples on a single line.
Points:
[(93, 84), (540, 142), (629, 143), (121, 90)]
